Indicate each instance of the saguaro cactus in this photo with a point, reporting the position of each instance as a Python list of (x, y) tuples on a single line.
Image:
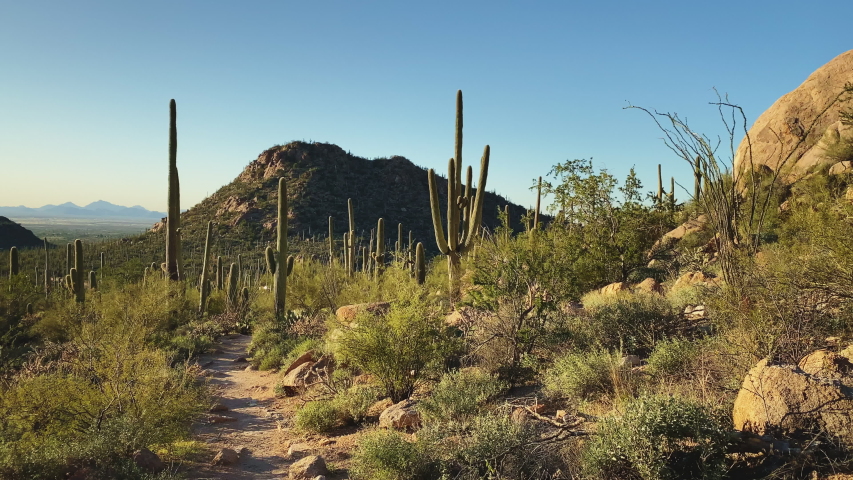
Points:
[(380, 248), (331, 241), (93, 280), (420, 264), (173, 220), (232, 287), (538, 203), (77, 273), (280, 274), (220, 282), (697, 176), (69, 257), (461, 226), (204, 284), (351, 239), (660, 186), (14, 262), (46, 269)]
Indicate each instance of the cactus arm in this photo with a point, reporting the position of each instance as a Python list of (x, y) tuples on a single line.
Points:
[(420, 264), (452, 207), (436, 214), (480, 198)]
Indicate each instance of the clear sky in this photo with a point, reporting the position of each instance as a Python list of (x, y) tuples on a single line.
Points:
[(85, 85)]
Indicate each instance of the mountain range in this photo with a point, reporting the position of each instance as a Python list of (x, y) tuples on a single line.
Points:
[(99, 209)]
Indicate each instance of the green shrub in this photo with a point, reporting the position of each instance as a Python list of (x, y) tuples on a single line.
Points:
[(459, 395), (658, 438), (386, 455), (585, 375), (633, 322), (319, 416), (354, 402), (400, 349), (674, 358)]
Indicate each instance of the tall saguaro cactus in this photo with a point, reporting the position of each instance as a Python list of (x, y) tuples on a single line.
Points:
[(280, 274), (350, 246), (46, 269), (173, 220), (204, 284), (380, 248), (660, 186), (538, 204), (420, 264), (14, 262), (331, 241), (462, 226), (76, 273)]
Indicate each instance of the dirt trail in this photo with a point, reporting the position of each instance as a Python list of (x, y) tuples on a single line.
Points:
[(258, 420)]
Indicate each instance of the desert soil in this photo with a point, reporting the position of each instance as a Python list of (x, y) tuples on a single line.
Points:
[(257, 420)]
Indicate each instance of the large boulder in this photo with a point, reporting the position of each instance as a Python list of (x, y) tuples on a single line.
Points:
[(783, 398), (148, 461), (306, 374), (826, 364), (691, 279), (784, 128)]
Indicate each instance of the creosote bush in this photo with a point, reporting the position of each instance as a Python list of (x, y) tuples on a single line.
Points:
[(587, 376), (460, 395), (658, 438)]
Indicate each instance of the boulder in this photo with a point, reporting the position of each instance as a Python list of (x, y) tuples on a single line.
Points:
[(347, 314), (650, 285), (841, 168), (691, 279), (614, 288), (826, 364), (308, 468), (148, 461), (218, 407), (631, 361), (298, 379), (675, 235), (401, 416), (377, 408), (226, 457), (785, 399), (784, 128), (304, 358)]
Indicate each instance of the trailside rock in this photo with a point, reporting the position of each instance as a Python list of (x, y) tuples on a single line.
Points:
[(650, 285), (304, 358), (690, 279), (348, 313), (785, 125), (614, 288), (226, 457), (149, 461), (401, 416), (784, 398), (308, 468)]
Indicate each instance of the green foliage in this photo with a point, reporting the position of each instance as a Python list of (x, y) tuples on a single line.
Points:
[(319, 416), (633, 322), (460, 395), (674, 358), (354, 402), (401, 348), (386, 455), (585, 375), (659, 438)]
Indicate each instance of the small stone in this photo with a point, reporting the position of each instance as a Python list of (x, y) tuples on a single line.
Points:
[(226, 457), (250, 368), (401, 416), (309, 468), (327, 442), (298, 450), (220, 419), (218, 407), (243, 451), (240, 360)]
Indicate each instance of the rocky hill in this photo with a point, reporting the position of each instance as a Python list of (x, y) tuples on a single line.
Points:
[(799, 127), (321, 179), (15, 235)]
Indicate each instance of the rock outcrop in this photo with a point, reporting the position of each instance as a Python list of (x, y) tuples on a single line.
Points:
[(793, 126), (401, 416), (15, 235)]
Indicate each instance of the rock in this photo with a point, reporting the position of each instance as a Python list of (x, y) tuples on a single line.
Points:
[(364, 379), (250, 368), (220, 419), (377, 408), (304, 358), (783, 398), (296, 450), (520, 416), (691, 279), (347, 314), (401, 416), (149, 461), (326, 442), (323, 477), (243, 451), (841, 168), (226, 457), (826, 364), (297, 379), (631, 361), (308, 468), (650, 285), (240, 360), (782, 127), (218, 407), (614, 288), (675, 235)]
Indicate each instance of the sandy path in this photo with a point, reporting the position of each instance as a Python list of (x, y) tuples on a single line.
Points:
[(258, 425)]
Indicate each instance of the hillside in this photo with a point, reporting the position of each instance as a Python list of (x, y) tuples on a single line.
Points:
[(321, 179), (15, 235)]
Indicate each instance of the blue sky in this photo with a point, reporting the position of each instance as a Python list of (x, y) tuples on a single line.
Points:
[(85, 86)]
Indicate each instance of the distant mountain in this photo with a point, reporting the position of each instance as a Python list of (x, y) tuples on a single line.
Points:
[(15, 235), (99, 209), (321, 177)]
